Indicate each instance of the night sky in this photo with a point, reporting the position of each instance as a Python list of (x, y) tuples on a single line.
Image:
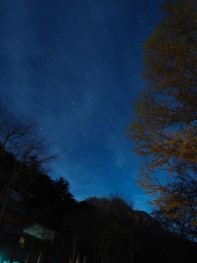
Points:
[(74, 66)]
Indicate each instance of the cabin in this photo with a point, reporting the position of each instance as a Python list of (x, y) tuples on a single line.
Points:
[(20, 243)]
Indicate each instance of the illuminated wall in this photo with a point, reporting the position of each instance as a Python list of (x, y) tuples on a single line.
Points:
[(40, 232)]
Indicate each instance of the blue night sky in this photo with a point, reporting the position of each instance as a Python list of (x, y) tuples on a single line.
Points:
[(74, 66)]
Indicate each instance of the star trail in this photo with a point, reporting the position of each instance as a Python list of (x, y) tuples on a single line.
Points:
[(74, 66)]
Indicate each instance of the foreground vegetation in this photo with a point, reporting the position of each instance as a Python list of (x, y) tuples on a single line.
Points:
[(95, 230), (109, 230), (164, 128)]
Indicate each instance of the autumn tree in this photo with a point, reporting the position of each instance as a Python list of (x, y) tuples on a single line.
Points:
[(164, 127), (176, 207)]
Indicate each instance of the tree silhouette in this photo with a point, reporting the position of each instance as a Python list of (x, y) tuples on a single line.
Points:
[(23, 155)]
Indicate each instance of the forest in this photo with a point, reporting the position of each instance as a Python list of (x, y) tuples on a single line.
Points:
[(94, 230), (108, 229)]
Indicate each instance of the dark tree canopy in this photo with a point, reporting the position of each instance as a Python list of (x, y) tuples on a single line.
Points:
[(23, 155)]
